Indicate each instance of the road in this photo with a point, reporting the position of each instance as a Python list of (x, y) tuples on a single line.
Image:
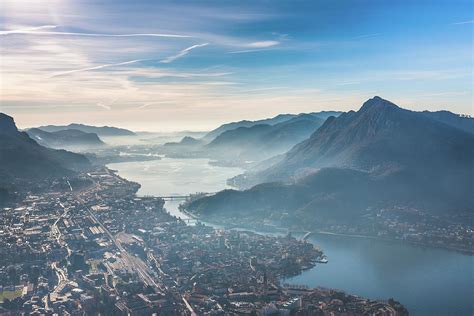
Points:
[(54, 229), (62, 277), (129, 260), (56, 233)]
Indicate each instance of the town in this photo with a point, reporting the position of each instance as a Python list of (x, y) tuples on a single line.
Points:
[(100, 249), (403, 224)]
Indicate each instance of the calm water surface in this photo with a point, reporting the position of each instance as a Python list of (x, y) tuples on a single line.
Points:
[(427, 281)]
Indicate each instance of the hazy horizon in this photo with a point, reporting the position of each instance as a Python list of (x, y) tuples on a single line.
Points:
[(193, 66), (193, 186), (197, 128)]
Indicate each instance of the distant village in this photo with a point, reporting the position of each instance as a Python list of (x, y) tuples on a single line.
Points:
[(396, 223)]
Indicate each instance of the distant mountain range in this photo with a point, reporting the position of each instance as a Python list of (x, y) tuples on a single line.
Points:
[(269, 121), (99, 130), (246, 143), (23, 160), (65, 138), (263, 141), (379, 156), (186, 141)]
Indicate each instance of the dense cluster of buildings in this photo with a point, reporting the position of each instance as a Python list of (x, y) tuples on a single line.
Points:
[(413, 226), (102, 249), (397, 223), (419, 227)]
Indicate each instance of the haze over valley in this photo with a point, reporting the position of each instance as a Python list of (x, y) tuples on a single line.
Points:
[(264, 158), (382, 172)]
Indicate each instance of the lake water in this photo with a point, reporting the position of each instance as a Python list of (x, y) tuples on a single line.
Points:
[(168, 177), (427, 281)]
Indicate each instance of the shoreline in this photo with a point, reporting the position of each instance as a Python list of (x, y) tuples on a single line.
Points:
[(457, 250), (187, 213), (280, 229)]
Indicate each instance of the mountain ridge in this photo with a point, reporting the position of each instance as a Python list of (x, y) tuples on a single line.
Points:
[(23, 160), (464, 123), (65, 138), (99, 130), (369, 140), (263, 141), (280, 118), (380, 156)]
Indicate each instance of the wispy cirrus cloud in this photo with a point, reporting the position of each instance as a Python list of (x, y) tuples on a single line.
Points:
[(167, 60), (96, 67), (182, 53), (160, 74), (104, 106), (147, 104), (247, 51), (38, 30), (259, 46), (262, 44), (29, 29)]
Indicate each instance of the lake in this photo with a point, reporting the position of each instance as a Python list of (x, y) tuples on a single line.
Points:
[(427, 281), (169, 176)]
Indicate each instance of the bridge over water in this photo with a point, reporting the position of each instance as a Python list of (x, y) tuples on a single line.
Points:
[(183, 197), (174, 197), (306, 235)]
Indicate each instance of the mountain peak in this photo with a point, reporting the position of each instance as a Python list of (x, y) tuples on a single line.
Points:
[(7, 124), (377, 102)]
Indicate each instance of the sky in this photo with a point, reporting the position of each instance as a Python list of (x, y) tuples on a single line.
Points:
[(192, 65)]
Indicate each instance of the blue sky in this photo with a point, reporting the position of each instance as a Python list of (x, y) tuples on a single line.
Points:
[(174, 65)]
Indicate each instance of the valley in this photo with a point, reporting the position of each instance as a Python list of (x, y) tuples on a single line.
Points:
[(336, 218)]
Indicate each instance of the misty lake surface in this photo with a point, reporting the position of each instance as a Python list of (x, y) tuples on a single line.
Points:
[(427, 281)]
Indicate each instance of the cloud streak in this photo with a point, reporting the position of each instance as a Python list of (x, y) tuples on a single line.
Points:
[(96, 67), (248, 51), (145, 105), (38, 31), (104, 106), (182, 53), (167, 60), (28, 30), (262, 44), (256, 47)]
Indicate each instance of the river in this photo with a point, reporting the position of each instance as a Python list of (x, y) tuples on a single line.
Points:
[(427, 281)]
